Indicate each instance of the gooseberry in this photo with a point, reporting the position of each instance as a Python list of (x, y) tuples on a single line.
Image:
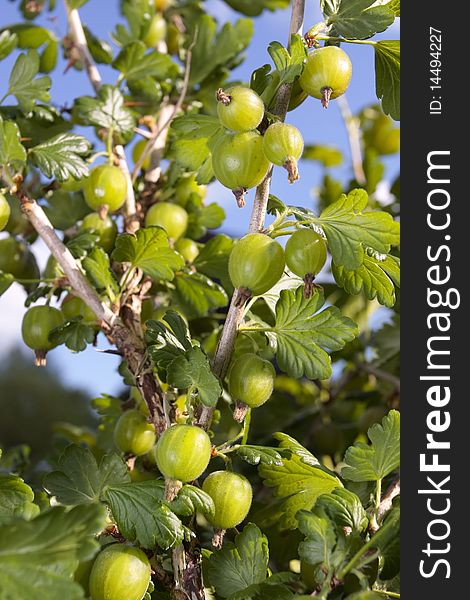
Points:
[(239, 108), (137, 151), (187, 248), (186, 187), (156, 31), (73, 306), (104, 227), (283, 145), (251, 380), (133, 433), (119, 573), (105, 186), (171, 217), (305, 256), (5, 211), (327, 73), (38, 322), (232, 496), (239, 162), (256, 263), (183, 452)]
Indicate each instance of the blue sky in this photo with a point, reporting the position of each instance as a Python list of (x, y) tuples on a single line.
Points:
[(96, 373)]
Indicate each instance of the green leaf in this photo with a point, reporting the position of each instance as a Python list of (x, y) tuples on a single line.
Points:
[(376, 277), (16, 497), (349, 228), (255, 455), (212, 260), (100, 50), (357, 19), (300, 336), (79, 479), (190, 500), (75, 334), (11, 149), (373, 462), (344, 508), (191, 135), (387, 539), (253, 9), (107, 110), (133, 63), (394, 5), (387, 76), (299, 481), (198, 295), (239, 565), (149, 250), (98, 271), (193, 370), (22, 84), (61, 156), (65, 209), (288, 64), (164, 345), (321, 539), (329, 156), (6, 279), (48, 549), (217, 50), (142, 516), (8, 42), (202, 218), (76, 3)]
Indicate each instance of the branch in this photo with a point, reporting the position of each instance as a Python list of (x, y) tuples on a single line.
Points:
[(387, 499), (63, 256), (354, 136), (224, 350), (380, 374), (78, 35)]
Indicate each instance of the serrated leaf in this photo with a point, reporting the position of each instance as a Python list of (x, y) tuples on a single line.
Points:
[(376, 278), (6, 279), (348, 227), (240, 565), (212, 259), (133, 63), (300, 481), (75, 334), (164, 345), (15, 497), (197, 294), (8, 41), (11, 149), (100, 50), (79, 479), (61, 156), (256, 455), (328, 156), (98, 270), (190, 500), (321, 539), (23, 85), (301, 334), (386, 342), (48, 549), (142, 516), (106, 110), (357, 19), (387, 539), (193, 370), (344, 508), (191, 135), (149, 250), (214, 50), (375, 461), (288, 64), (82, 243), (387, 76)]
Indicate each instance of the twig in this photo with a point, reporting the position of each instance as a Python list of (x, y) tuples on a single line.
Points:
[(62, 254), (165, 121), (354, 136), (78, 35), (387, 499), (223, 353), (380, 374)]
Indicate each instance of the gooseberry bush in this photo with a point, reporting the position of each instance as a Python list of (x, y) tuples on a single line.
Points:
[(255, 451)]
